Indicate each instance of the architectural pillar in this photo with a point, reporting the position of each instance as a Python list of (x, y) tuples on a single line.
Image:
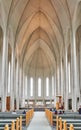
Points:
[(55, 91), (50, 89), (59, 75), (58, 80), (23, 92), (25, 87), (6, 89), (4, 57), (20, 81), (12, 80), (44, 82), (80, 74), (17, 85), (42, 87), (74, 71), (61, 79), (66, 80)]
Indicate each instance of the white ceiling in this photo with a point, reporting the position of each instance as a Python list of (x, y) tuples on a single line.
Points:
[(39, 28)]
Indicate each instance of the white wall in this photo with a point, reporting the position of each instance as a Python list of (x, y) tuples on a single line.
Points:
[(0, 73)]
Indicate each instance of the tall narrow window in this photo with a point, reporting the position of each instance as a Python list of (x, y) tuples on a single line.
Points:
[(31, 87), (9, 78), (58, 81), (52, 85), (39, 87), (69, 77), (47, 86), (26, 86)]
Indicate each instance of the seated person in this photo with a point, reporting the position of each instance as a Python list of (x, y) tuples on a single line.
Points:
[(55, 111), (79, 110), (50, 109), (60, 112), (63, 111), (24, 112)]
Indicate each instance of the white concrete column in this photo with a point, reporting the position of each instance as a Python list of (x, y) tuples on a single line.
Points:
[(12, 80), (58, 80), (23, 94), (55, 91), (74, 71), (17, 86), (20, 81), (44, 87), (66, 80), (53, 88), (25, 87), (4, 56), (61, 79), (6, 89), (34, 87), (80, 73), (50, 89)]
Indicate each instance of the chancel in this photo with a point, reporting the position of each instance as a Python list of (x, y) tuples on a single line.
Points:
[(40, 63)]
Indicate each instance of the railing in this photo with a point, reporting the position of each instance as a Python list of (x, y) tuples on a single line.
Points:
[(15, 125), (29, 115)]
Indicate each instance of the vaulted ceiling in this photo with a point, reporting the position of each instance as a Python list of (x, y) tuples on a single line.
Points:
[(39, 28)]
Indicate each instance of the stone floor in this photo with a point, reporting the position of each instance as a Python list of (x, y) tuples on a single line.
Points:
[(39, 122)]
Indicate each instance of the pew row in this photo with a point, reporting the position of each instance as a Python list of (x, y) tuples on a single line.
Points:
[(7, 118), (17, 125), (29, 116), (70, 119)]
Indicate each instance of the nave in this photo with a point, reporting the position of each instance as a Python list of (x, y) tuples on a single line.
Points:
[(39, 122)]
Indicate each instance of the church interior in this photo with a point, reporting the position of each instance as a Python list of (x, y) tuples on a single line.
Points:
[(40, 64)]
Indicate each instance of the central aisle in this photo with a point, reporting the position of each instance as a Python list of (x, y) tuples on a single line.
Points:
[(39, 122)]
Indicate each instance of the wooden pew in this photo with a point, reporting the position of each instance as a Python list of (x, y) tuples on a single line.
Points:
[(14, 120), (70, 119), (15, 125), (29, 116)]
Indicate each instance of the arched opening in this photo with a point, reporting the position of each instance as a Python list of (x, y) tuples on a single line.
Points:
[(39, 87), (31, 87), (47, 87)]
